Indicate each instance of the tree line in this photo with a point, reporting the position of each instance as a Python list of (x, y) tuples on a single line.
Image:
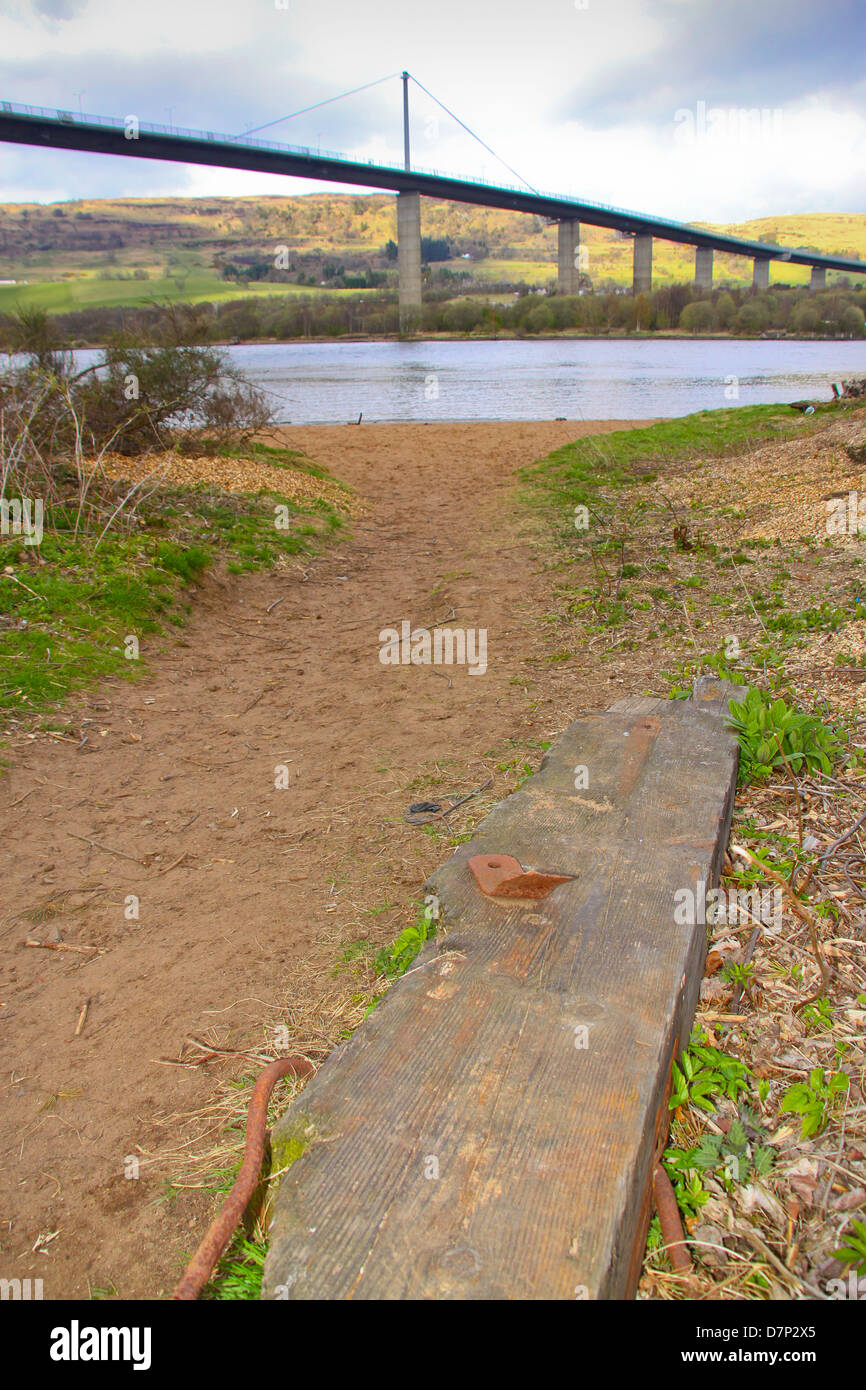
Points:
[(516, 311)]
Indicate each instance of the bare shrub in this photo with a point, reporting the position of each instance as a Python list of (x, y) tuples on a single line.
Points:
[(57, 423)]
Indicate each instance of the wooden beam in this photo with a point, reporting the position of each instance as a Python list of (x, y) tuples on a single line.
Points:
[(490, 1130)]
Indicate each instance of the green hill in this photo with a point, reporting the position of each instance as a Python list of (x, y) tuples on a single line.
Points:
[(135, 250)]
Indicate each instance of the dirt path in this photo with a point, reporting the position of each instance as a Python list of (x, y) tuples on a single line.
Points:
[(242, 889)]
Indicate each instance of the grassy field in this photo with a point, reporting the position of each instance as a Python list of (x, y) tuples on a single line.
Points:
[(91, 292), (488, 268)]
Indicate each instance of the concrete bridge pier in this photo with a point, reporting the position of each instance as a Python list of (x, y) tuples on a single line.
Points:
[(642, 279), (703, 267), (568, 258), (818, 278), (761, 273), (409, 259)]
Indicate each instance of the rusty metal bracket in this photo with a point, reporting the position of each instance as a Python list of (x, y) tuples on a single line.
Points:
[(503, 876)]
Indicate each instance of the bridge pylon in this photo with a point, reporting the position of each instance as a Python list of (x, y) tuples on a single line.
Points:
[(642, 272), (409, 259), (761, 273), (703, 267), (408, 237), (568, 257)]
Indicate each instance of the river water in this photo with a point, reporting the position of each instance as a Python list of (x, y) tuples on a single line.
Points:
[(536, 379), (579, 379)]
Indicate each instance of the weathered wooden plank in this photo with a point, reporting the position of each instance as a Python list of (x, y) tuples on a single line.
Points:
[(489, 1131)]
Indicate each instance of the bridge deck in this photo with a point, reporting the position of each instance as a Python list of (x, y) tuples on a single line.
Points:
[(489, 1131), (111, 135)]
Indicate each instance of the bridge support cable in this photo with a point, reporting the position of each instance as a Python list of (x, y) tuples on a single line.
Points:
[(317, 105), (471, 132), (409, 214)]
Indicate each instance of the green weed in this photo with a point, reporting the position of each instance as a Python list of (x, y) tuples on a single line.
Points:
[(705, 1073), (771, 735), (395, 959), (238, 1276), (813, 1100), (854, 1251)]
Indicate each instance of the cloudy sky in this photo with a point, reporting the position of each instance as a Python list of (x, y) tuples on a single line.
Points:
[(641, 103)]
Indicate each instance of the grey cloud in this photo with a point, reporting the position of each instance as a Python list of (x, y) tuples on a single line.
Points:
[(229, 93), (741, 53), (54, 175), (59, 9)]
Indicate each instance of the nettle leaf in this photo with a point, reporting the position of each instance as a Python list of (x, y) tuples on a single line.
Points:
[(736, 1137), (762, 1160), (708, 1153)]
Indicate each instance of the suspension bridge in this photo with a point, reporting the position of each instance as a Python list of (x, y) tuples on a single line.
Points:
[(128, 136)]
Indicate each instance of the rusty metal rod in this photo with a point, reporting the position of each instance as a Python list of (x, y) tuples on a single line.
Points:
[(201, 1266), (671, 1223)]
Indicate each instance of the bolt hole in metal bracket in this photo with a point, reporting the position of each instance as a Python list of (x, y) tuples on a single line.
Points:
[(503, 876)]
